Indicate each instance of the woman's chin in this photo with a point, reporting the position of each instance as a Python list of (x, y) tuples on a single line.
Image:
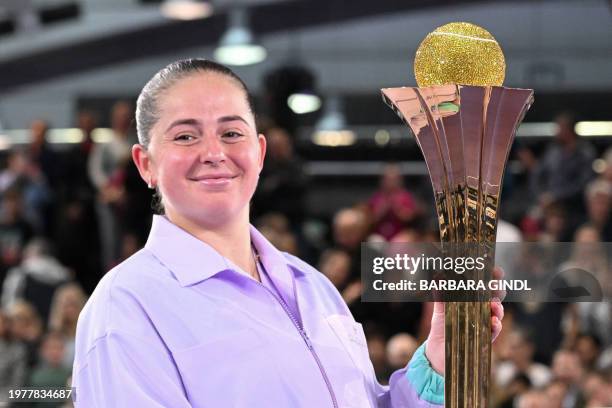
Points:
[(213, 213)]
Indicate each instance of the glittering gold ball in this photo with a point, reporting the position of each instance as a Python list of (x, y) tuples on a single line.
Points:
[(459, 53)]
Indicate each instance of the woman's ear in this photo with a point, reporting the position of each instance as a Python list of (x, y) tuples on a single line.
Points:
[(262, 149), (142, 160)]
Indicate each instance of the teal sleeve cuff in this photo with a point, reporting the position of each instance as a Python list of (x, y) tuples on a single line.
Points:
[(428, 384)]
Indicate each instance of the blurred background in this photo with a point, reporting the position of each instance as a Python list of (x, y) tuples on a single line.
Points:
[(341, 167)]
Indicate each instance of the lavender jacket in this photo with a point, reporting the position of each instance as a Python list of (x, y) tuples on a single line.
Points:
[(178, 325)]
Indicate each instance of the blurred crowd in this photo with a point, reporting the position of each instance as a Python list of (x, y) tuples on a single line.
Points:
[(69, 215)]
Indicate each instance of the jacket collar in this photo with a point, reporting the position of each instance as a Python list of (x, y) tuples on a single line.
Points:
[(192, 260)]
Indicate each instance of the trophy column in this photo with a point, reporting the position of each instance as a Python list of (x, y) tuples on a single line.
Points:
[(465, 134)]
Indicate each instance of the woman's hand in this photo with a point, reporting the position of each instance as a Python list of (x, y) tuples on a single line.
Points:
[(435, 341)]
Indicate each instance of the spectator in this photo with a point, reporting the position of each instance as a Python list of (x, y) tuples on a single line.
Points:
[(544, 321), (282, 180), (599, 207), (16, 165), (35, 279), (393, 316), (275, 227), (41, 154), (77, 243), (588, 254), (567, 367), (76, 182), (376, 347), (12, 358), (521, 352), (556, 392), (335, 264), (50, 371), (554, 223), (400, 349), (87, 121), (15, 231), (519, 385), (533, 399), (588, 348), (392, 206), (68, 301), (593, 382), (565, 169), (604, 362), (23, 176), (26, 327), (350, 228), (107, 171), (601, 398), (77, 232)]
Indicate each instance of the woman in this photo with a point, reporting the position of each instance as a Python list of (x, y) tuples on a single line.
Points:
[(68, 301), (209, 313), (13, 358)]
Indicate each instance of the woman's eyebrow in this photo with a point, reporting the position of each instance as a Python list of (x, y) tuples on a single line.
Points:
[(190, 122), (231, 118)]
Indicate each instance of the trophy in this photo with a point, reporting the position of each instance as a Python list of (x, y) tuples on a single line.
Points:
[(464, 122)]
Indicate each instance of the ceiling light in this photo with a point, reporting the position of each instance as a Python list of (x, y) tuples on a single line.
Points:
[(382, 137), (594, 128), (186, 9), (304, 102), (333, 138), (537, 129), (5, 141), (237, 46)]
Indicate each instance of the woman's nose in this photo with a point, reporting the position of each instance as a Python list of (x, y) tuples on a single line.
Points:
[(213, 150)]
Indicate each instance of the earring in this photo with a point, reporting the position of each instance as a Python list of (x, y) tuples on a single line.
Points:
[(150, 185)]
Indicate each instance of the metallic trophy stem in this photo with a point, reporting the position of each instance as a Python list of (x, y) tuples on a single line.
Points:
[(465, 134)]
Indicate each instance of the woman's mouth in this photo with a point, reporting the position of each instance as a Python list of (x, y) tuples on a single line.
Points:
[(215, 179)]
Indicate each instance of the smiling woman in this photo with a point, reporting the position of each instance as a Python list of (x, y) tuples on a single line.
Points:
[(209, 313), (198, 137)]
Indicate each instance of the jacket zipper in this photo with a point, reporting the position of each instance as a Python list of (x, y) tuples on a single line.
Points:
[(305, 337)]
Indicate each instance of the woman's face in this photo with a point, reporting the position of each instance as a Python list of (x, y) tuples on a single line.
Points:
[(71, 306), (205, 155)]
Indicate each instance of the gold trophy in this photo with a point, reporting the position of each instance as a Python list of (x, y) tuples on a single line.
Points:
[(464, 122)]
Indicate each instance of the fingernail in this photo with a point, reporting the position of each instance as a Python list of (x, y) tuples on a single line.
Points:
[(495, 299)]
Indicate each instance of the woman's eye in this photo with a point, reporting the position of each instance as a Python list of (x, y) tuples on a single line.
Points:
[(184, 138), (232, 135)]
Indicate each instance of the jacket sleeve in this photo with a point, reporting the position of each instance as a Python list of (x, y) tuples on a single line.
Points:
[(415, 386), (122, 370)]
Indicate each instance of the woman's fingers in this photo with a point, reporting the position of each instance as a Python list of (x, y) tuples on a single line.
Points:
[(497, 309), (497, 314), (438, 308), (498, 274), (496, 328)]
